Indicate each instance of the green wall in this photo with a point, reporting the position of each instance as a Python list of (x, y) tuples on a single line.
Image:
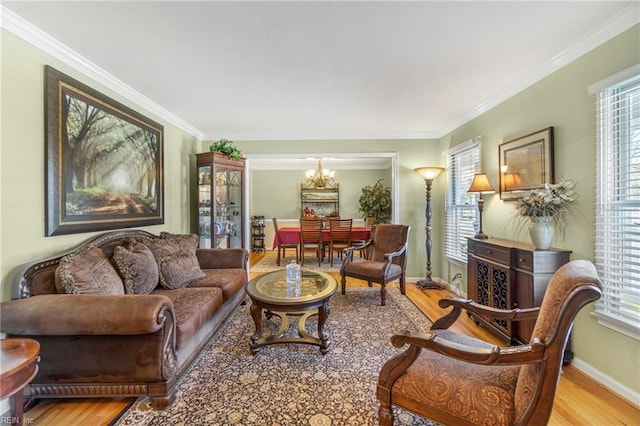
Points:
[(274, 193), (22, 160), (561, 101)]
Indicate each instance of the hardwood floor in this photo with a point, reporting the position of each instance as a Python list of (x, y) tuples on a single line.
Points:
[(579, 400)]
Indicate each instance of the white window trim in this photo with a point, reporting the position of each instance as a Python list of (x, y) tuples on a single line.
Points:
[(600, 312)]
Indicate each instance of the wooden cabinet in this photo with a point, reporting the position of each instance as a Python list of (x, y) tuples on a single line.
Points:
[(508, 274), (221, 184), (319, 201)]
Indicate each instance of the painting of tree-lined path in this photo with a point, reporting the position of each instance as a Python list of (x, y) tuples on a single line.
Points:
[(104, 161), (110, 164)]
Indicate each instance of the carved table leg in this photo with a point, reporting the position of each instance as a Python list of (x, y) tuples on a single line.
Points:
[(256, 314), (323, 313)]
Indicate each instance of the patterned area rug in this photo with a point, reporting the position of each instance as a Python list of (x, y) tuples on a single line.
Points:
[(268, 262), (293, 384)]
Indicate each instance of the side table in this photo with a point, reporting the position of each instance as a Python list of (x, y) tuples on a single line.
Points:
[(18, 366)]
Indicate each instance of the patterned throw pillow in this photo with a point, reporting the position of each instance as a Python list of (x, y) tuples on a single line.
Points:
[(190, 240), (87, 271), (137, 266), (177, 261)]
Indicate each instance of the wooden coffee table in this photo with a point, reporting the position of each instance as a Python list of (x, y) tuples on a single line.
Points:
[(271, 293), (18, 367)]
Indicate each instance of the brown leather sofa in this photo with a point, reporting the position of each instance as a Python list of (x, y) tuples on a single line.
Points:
[(97, 345)]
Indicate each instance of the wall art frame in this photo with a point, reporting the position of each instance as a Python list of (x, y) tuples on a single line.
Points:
[(526, 163), (104, 161)]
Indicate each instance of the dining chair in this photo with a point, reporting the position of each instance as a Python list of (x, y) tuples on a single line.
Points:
[(455, 379), (340, 236), (311, 238), (386, 259), (368, 223), (282, 247)]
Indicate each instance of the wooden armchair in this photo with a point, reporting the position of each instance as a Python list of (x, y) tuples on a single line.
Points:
[(456, 379), (386, 259)]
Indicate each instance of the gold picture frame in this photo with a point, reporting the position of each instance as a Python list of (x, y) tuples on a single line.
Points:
[(526, 163)]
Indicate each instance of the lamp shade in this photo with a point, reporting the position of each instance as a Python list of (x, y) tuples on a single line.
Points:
[(481, 184), (429, 172)]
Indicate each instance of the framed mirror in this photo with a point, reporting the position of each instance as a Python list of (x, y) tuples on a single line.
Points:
[(526, 163)]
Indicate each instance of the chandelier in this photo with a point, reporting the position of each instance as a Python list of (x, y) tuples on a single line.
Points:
[(320, 178)]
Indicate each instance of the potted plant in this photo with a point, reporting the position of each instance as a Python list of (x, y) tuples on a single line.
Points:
[(226, 147), (546, 210), (375, 201)]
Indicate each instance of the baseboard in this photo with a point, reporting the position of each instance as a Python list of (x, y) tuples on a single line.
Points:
[(614, 386)]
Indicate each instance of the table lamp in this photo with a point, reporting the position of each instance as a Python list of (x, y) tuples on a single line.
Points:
[(481, 185)]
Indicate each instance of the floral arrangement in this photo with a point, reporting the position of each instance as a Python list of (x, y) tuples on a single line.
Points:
[(226, 147), (555, 201)]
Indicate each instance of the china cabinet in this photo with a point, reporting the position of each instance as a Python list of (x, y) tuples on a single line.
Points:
[(508, 274), (319, 201), (220, 200)]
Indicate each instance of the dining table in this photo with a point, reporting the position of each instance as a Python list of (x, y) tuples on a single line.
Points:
[(291, 235)]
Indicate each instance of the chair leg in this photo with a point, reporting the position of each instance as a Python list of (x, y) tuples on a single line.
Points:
[(278, 261), (385, 416), (383, 295), (343, 283), (403, 286), (370, 283)]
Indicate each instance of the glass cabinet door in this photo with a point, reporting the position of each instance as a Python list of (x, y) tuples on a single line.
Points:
[(228, 207), (204, 206)]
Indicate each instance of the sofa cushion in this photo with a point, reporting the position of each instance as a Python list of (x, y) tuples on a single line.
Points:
[(137, 267), (190, 240), (192, 307), (87, 271), (177, 261), (229, 280)]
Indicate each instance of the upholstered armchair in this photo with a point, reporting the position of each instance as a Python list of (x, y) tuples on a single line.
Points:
[(386, 259), (456, 379)]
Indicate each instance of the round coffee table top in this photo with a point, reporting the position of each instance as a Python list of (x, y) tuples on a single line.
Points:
[(18, 364), (273, 288)]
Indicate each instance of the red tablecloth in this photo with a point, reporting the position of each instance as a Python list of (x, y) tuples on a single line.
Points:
[(290, 235)]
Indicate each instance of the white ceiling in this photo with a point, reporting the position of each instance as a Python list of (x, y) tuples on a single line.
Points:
[(319, 70)]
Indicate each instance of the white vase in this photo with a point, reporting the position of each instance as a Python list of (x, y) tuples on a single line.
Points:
[(541, 232)]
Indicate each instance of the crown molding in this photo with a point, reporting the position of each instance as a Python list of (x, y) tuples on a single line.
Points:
[(626, 19), (33, 35), (618, 24)]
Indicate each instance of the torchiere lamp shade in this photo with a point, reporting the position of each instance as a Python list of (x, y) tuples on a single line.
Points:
[(429, 173)]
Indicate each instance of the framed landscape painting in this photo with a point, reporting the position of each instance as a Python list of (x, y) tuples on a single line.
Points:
[(526, 164), (104, 161)]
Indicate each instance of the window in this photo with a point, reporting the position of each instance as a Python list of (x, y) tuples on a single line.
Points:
[(617, 216), (461, 208)]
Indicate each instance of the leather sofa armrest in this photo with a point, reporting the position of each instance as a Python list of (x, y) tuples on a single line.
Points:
[(76, 314), (222, 258)]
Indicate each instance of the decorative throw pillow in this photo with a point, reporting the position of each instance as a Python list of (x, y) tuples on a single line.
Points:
[(190, 240), (177, 261), (178, 270), (87, 271), (137, 266)]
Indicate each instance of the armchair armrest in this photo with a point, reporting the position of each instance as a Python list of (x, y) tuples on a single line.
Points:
[(472, 307), (492, 355), (216, 258), (79, 314)]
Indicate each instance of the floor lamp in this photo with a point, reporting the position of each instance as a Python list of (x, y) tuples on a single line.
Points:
[(481, 185), (429, 174)]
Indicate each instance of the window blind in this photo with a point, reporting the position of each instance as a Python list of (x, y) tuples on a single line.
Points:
[(461, 209), (617, 216)]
